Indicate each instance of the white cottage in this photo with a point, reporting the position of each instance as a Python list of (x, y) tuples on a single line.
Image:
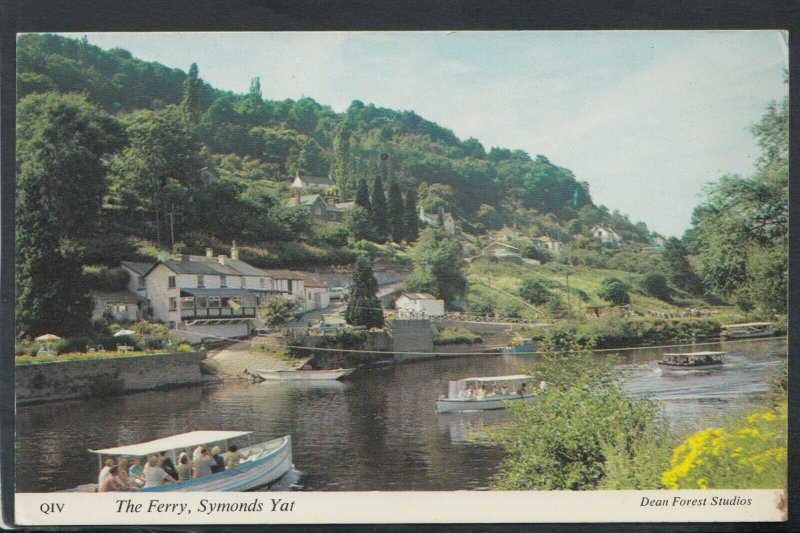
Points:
[(418, 305)]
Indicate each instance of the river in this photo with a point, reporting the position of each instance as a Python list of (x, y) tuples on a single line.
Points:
[(377, 431)]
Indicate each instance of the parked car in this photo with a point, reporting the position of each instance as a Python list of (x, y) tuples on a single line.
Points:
[(337, 293)]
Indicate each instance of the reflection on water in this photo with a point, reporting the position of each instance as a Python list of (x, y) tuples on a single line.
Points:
[(377, 431)]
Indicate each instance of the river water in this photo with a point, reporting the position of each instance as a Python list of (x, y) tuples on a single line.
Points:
[(377, 431)]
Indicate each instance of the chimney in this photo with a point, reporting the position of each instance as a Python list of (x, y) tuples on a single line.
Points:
[(297, 197), (234, 251), (209, 252), (221, 258)]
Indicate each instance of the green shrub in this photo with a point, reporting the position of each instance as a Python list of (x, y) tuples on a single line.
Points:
[(102, 278), (656, 285), (614, 291), (456, 336), (533, 291)]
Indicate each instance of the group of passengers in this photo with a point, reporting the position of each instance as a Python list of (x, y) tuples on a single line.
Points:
[(160, 469), (481, 392)]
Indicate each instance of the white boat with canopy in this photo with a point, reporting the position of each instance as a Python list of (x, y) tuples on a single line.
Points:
[(481, 393), (262, 464)]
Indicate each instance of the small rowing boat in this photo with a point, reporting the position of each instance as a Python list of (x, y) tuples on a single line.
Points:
[(289, 375), (483, 393), (749, 330), (688, 361), (263, 463)]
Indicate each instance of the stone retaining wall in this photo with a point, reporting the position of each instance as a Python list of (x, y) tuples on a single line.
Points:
[(59, 380)]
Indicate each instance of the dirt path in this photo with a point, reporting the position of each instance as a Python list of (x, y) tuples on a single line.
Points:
[(232, 362)]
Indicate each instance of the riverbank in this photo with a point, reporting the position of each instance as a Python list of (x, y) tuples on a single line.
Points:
[(82, 378)]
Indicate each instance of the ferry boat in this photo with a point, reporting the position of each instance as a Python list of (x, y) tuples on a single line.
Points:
[(263, 463), (748, 330), (289, 375), (524, 346), (464, 395), (688, 361)]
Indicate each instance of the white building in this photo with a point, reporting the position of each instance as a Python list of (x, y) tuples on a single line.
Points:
[(316, 293), (607, 236), (418, 305), (502, 250), (123, 305), (548, 243), (433, 220)]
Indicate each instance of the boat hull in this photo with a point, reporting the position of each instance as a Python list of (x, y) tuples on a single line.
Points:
[(748, 334), (291, 375), (248, 475), (519, 350), (451, 405), (688, 367)]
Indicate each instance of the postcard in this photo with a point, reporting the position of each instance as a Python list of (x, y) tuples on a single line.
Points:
[(401, 277)]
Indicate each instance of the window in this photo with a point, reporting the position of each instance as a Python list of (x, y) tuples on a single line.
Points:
[(173, 304), (289, 285), (201, 282), (202, 302), (223, 281), (213, 301), (187, 302), (140, 283), (242, 282), (261, 282), (171, 282)]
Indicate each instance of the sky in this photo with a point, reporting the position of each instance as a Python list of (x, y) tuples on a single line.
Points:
[(646, 118)]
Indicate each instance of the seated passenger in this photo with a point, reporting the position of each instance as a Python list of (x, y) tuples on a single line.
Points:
[(112, 483), (136, 473), (154, 475), (218, 459), (184, 469), (233, 457), (203, 464)]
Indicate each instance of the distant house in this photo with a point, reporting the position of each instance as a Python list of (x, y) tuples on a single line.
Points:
[(607, 236), (507, 234), (418, 305), (433, 220), (316, 293), (318, 208), (312, 182), (119, 305), (548, 243), (136, 273), (502, 250)]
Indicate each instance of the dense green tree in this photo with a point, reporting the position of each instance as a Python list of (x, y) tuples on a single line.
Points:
[(533, 291), (438, 265), (380, 220), (615, 291), (159, 174), (656, 285), (395, 212), (62, 146), (411, 221), (359, 224), (190, 104), (341, 158), (682, 275), (362, 195), (741, 228), (363, 305)]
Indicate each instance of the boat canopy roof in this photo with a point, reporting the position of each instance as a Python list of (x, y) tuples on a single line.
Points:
[(492, 379), (693, 354), (184, 440), (748, 325)]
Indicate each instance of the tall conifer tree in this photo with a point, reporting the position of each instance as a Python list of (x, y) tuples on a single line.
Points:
[(379, 213), (411, 221), (394, 208), (190, 104)]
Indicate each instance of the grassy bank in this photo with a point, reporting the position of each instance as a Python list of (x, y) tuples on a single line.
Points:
[(83, 356)]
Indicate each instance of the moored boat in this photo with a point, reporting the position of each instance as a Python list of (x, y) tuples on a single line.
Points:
[(688, 361), (288, 375), (262, 464), (483, 393), (524, 346), (748, 330)]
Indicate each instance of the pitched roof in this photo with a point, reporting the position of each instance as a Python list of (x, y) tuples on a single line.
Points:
[(138, 267), (419, 296), (306, 199), (122, 296), (282, 274), (504, 245), (309, 281)]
